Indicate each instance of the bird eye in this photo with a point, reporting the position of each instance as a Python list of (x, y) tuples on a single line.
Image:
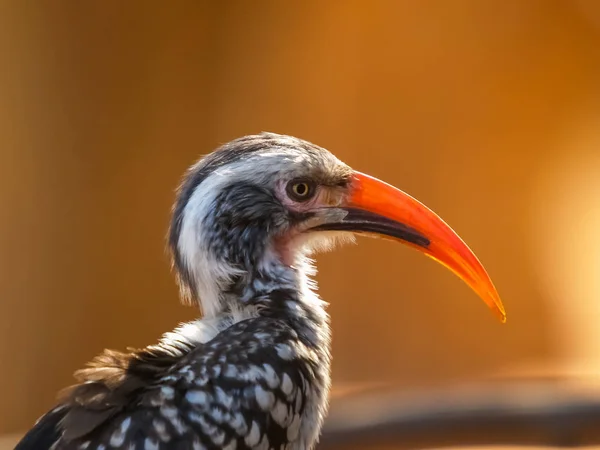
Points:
[(300, 190)]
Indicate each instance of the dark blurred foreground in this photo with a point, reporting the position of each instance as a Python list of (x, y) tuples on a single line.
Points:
[(516, 413)]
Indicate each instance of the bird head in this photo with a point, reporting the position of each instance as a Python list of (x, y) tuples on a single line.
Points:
[(249, 213)]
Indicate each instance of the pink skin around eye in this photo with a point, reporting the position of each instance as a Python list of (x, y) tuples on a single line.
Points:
[(281, 193), (285, 243)]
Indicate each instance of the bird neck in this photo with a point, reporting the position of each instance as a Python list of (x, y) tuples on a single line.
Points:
[(280, 291)]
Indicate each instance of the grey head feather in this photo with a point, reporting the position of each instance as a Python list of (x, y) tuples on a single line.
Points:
[(245, 212)]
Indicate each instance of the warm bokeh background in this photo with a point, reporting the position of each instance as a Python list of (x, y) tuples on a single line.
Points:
[(487, 111)]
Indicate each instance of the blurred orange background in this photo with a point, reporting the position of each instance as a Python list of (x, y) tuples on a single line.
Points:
[(487, 111)]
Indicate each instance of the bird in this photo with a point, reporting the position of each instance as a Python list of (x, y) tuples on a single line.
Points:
[(253, 371)]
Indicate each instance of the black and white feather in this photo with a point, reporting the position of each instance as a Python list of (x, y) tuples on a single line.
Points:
[(253, 373)]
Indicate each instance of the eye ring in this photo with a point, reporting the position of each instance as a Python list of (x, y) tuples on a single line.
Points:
[(301, 190)]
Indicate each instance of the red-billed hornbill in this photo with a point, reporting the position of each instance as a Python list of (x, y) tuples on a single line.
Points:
[(254, 372)]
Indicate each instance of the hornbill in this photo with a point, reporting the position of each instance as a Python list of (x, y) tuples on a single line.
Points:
[(254, 372)]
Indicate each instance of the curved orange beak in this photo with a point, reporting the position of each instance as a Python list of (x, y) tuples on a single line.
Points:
[(375, 207)]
